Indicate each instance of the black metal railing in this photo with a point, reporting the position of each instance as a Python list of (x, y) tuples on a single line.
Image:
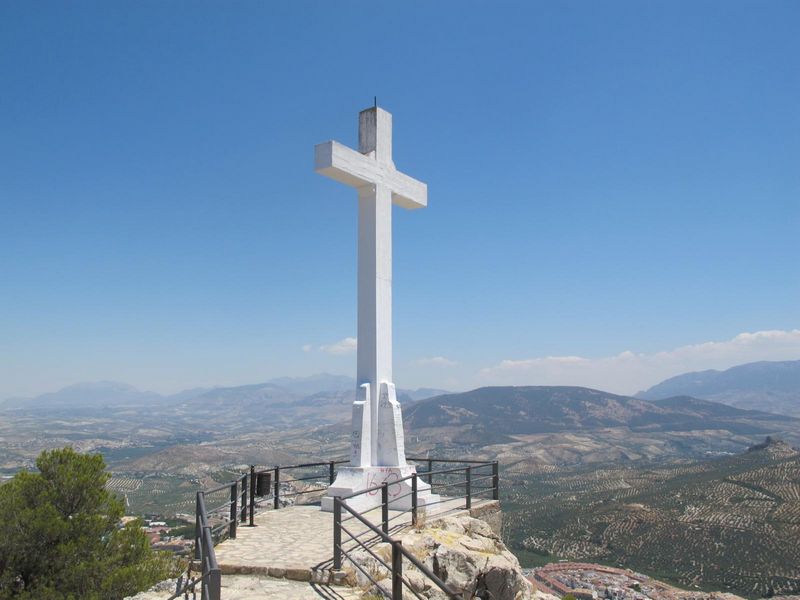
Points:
[(266, 484), (212, 525), (480, 477), (470, 480), (395, 567)]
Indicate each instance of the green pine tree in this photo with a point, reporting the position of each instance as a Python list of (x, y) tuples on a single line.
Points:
[(62, 539)]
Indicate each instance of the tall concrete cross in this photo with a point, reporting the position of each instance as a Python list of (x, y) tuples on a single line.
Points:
[(377, 445)]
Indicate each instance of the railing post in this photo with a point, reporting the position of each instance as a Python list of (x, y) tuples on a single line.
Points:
[(330, 472), (197, 525), (430, 472), (397, 570), (469, 488), (252, 494), (495, 481), (205, 568), (414, 499), (179, 584), (214, 584), (337, 533), (234, 511), (243, 516), (277, 494), (385, 507), (202, 572)]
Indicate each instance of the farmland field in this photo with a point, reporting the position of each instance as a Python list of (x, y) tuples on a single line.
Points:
[(730, 523), (161, 494)]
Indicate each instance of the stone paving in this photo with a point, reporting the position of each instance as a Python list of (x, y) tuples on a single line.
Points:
[(259, 587), (297, 542), (252, 587)]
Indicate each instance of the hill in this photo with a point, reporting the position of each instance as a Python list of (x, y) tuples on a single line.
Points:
[(767, 386), (529, 428), (729, 523), (548, 409)]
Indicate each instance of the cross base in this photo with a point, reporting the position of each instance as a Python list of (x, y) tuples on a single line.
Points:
[(353, 479)]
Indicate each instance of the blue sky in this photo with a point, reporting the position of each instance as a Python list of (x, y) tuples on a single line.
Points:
[(604, 178)]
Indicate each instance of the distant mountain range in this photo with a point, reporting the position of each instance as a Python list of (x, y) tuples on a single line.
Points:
[(282, 390), (87, 395), (768, 386)]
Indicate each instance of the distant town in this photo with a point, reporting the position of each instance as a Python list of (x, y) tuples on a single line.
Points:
[(175, 535)]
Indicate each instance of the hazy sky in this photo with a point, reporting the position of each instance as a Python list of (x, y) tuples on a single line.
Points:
[(614, 189)]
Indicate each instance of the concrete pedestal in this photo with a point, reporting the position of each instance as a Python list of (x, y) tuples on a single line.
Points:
[(353, 479)]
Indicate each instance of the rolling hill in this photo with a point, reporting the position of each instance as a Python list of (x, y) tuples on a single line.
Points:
[(548, 409), (533, 428)]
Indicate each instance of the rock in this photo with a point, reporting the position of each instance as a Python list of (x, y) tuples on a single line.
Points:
[(158, 591), (167, 585), (462, 551), (417, 581)]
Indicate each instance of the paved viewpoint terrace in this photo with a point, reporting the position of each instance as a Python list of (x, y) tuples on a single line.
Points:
[(288, 554), (297, 542)]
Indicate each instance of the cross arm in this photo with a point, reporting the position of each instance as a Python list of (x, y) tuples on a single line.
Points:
[(407, 191), (344, 164), (350, 167)]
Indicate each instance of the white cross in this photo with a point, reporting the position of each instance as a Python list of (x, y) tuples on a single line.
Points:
[(371, 171)]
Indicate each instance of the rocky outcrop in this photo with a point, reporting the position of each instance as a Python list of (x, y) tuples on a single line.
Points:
[(462, 551)]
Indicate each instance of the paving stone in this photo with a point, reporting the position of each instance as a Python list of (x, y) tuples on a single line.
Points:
[(255, 587), (251, 587)]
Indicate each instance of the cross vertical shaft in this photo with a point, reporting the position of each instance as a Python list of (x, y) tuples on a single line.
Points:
[(374, 295), (375, 134), (375, 265)]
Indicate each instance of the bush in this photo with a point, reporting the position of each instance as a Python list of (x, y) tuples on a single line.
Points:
[(62, 539)]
